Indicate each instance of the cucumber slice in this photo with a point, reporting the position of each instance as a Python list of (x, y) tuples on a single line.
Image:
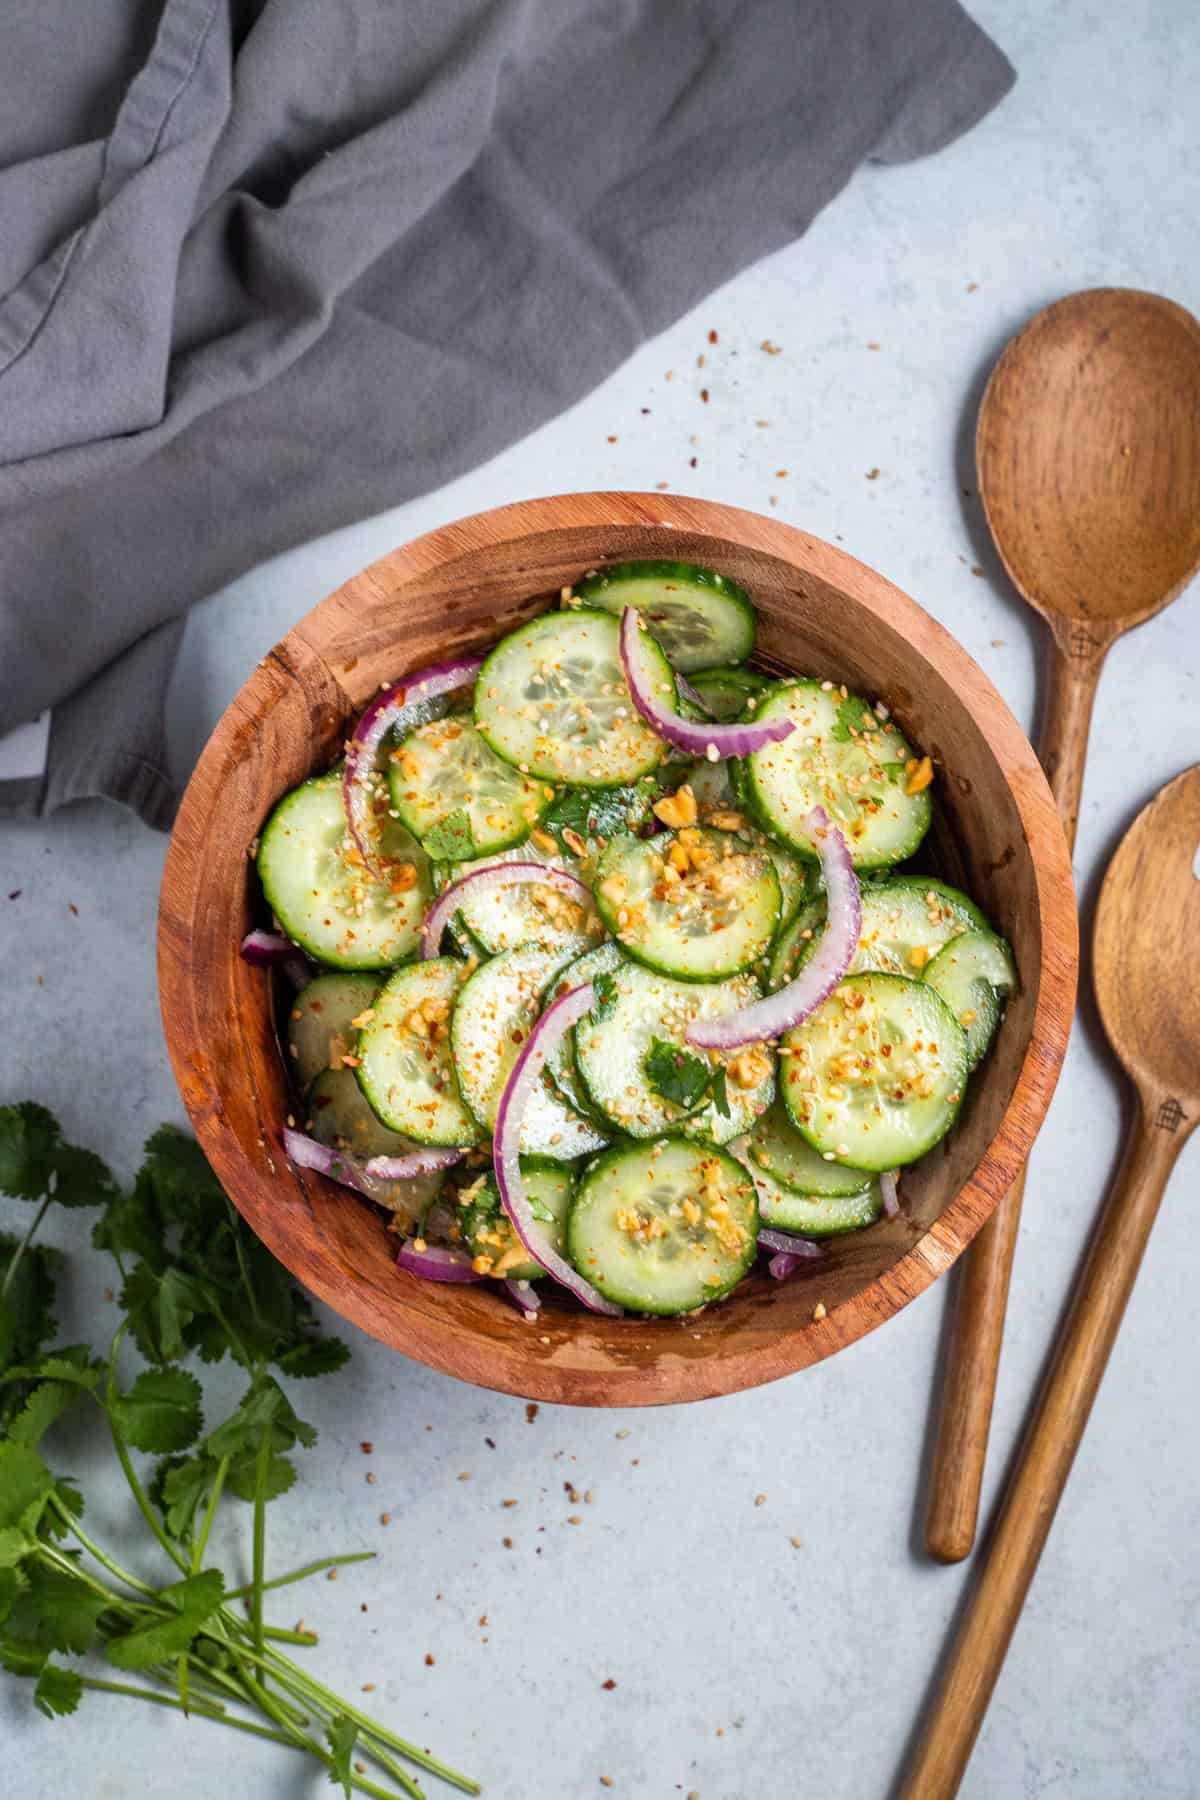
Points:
[(487, 1229), (974, 974), (665, 1227), (717, 805), (611, 1052), (503, 918), (321, 1028), (337, 1114), (323, 896), (776, 1147), (699, 617), (814, 1215), (561, 1065), (729, 693), (494, 1014), (841, 757), (552, 700), (877, 1073), (405, 1067), (698, 904), (905, 921), (445, 774)]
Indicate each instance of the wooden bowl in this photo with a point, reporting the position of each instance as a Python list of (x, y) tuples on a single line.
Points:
[(996, 831)]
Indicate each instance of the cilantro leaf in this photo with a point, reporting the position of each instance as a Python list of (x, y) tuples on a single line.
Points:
[(66, 1492), (58, 1691), (719, 1085), (264, 1407), (180, 1175), (242, 1479), (313, 1356), (24, 1483), (27, 1309), (451, 839), (192, 1602), (161, 1411), (852, 712), (342, 1734), (599, 813), (132, 1224), (12, 1581), (55, 1611), (178, 1487), (894, 770), (36, 1160), (20, 1657), (675, 1074), (45, 1403), (605, 986)]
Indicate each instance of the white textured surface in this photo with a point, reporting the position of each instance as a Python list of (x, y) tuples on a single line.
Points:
[(745, 1668)]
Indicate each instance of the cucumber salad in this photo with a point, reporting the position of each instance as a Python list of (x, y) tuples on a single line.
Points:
[(602, 967)]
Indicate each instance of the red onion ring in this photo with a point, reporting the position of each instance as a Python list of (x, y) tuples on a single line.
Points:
[(404, 703), (782, 1265), (888, 1193), (787, 1243), (783, 1011), (549, 1031), (435, 1264), (367, 1178), (266, 948), (696, 737), (524, 1296), (495, 875), (414, 1162)]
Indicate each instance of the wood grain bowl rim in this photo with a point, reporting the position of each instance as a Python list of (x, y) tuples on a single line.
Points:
[(510, 1367)]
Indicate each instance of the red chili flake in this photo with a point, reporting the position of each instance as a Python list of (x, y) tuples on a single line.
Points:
[(712, 337), (507, 1542), (518, 1037), (608, 1685), (612, 440), (71, 907), (531, 1411), (428, 1660), (704, 395), (366, 1446), (691, 462)]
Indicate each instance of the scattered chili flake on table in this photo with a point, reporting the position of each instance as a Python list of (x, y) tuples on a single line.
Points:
[(508, 1503), (366, 1446), (704, 395), (531, 1411), (712, 337), (608, 1685), (781, 474), (507, 1542), (612, 440), (770, 348), (71, 907), (428, 1660), (368, 1687), (16, 894), (385, 1518), (760, 1499), (483, 1618), (691, 462)]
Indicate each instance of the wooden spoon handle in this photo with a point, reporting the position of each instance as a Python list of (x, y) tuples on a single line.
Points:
[(977, 1333), (1047, 1453)]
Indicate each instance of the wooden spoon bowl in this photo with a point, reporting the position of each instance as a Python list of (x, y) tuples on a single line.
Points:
[(457, 590)]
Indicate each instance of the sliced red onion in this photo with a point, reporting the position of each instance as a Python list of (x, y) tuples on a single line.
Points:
[(549, 1031), (413, 1162), (266, 948), (306, 1153), (698, 737), (787, 1243), (435, 1264), (402, 704), (495, 875), (782, 1265), (783, 1011), (888, 1193), (524, 1295)]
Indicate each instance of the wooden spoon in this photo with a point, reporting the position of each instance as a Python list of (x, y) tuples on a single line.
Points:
[(1088, 450), (1147, 978)]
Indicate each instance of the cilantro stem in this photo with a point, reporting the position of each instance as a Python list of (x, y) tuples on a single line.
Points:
[(127, 1468), (201, 1544), (65, 1566), (101, 1556), (206, 1710), (303, 1685), (261, 1465), (302, 1742), (312, 1568), (290, 1637), (23, 1246)]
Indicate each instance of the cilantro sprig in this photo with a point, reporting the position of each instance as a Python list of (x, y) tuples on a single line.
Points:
[(683, 1079), (194, 1281)]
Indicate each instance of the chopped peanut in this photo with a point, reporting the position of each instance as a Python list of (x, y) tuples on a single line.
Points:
[(678, 809), (750, 1067), (404, 876), (544, 841), (727, 821), (918, 956), (919, 777)]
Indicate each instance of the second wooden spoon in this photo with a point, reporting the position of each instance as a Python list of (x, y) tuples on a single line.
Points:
[(1088, 451)]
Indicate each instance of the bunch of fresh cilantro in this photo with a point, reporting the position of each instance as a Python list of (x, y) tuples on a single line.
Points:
[(193, 1281)]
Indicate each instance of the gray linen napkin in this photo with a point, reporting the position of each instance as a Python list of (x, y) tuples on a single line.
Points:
[(272, 265)]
